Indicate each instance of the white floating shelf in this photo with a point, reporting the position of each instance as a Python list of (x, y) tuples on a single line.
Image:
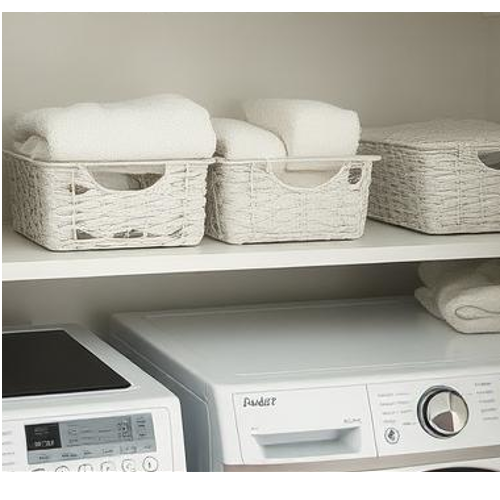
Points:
[(382, 243)]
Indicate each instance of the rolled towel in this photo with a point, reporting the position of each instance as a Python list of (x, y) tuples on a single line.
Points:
[(308, 128), (427, 298), (240, 140), (474, 310), (165, 126), (466, 295)]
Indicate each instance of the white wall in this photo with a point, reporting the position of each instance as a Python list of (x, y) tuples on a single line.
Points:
[(390, 67), (493, 75)]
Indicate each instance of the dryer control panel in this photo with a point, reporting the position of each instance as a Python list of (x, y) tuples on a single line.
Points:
[(111, 442), (436, 415)]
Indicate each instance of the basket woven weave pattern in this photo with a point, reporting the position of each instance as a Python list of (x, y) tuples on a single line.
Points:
[(66, 209), (248, 204), (438, 191)]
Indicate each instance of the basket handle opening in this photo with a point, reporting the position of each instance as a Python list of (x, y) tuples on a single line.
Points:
[(126, 178), (311, 173), (490, 159)]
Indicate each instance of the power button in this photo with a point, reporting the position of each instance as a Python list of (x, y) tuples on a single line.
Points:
[(391, 435), (150, 464)]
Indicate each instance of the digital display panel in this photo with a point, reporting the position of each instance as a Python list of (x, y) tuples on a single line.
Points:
[(89, 438), (43, 437)]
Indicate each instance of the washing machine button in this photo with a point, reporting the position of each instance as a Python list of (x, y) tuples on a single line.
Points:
[(108, 467), (150, 464), (128, 465), (443, 412), (85, 468)]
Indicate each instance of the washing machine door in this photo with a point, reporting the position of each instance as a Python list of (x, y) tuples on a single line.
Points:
[(477, 465), (461, 469)]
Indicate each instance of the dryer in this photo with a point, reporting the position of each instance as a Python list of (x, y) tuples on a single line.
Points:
[(328, 386), (70, 402)]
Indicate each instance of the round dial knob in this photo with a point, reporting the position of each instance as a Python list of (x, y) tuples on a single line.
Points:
[(443, 412)]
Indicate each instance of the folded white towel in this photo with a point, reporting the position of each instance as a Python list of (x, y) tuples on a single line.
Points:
[(158, 127), (466, 295), (308, 128), (240, 140), (427, 297)]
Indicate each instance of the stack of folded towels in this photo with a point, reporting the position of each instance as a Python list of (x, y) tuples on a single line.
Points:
[(464, 294), (169, 126), (277, 128), (159, 127)]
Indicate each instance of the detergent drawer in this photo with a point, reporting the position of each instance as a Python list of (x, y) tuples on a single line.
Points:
[(304, 425)]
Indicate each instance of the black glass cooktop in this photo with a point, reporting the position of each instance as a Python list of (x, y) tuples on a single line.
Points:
[(52, 362)]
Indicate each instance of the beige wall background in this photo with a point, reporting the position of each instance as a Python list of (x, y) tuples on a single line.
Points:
[(390, 67), (493, 75)]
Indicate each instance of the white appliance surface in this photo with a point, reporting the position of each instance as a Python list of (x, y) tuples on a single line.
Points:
[(133, 427), (351, 385)]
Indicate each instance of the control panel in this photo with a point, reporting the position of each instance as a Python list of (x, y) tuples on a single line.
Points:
[(436, 415), (362, 421), (112, 442)]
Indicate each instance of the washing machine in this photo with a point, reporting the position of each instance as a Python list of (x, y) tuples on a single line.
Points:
[(70, 402), (366, 385)]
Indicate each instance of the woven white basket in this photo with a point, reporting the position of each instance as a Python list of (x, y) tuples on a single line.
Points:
[(248, 203), (439, 177), (62, 206)]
